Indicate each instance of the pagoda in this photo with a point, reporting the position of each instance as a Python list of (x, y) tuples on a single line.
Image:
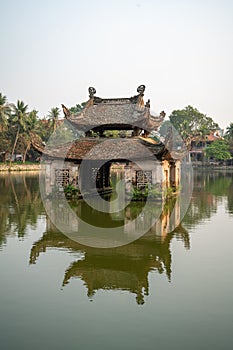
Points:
[(114, 130)]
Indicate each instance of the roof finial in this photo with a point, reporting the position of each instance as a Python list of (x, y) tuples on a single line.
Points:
[(65, 111), (92, 92), (148, 104), (141, 89)]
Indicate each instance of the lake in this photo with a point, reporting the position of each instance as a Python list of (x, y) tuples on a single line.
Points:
[(166, 290)]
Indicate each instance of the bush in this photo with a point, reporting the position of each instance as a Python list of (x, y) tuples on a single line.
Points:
[(147, 192), (70, 190)]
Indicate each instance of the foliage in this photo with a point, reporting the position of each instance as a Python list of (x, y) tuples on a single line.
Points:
[(229, 137), (77, 108), (229, 132), (53, 117), (19, 113), (114, 133), (144, 193), (44, 129), (18, 119), (155, 136), (170, 191), (71, 190), (16, 122), (218, 150), (190, 122), (5, 111), (5, 144), (153, 193), (163, 130)]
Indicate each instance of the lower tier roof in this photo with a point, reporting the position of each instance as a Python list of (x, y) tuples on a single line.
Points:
[(134, 148)]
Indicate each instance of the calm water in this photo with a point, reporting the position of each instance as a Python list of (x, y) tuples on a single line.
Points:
[(165, 291)]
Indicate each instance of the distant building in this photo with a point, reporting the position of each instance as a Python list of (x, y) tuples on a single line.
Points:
[(199, 144)]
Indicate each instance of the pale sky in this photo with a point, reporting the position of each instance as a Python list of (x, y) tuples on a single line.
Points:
[(53, 50)]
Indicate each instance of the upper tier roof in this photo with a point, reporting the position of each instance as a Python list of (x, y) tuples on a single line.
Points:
[(115, 113)]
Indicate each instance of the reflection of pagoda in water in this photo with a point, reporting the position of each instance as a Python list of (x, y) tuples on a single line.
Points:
[(123, 268)]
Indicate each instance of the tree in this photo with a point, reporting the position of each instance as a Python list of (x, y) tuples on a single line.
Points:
[(190, 122), (5, 141), (31, 124), (78, 108), (53, 117), (18, 121), (229, 132), (163, 130), (44, 129), (218, 150), (5, 111), (229, 137)]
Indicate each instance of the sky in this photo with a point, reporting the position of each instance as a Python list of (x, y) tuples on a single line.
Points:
[(182, 50)]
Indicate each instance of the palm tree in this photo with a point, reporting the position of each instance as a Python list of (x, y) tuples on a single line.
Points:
[(229, 137), (53, 117), (229, 132), (31, 124), (5, 111), (19, 121)]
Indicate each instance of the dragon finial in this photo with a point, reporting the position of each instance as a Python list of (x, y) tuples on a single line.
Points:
[(141, 89), (92, 92)]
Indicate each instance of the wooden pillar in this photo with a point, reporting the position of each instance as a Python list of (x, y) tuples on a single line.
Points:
[(172, 174), (128, 177), (166, 172)]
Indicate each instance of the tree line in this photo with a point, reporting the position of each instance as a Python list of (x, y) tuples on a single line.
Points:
[(16, 123)]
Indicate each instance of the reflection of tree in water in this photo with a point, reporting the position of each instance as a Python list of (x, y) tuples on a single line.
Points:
[(123, 268), (20, 203), (230, 198), (209, 190)]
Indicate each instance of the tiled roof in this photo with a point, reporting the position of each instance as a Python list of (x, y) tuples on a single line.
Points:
[(136, 148), (101, 149), (37, 142), (213, 136), (115, 112)]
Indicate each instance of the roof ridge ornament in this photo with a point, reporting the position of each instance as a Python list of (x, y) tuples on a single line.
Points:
[(141, 89), (92, 92), (148, 103), (65, 111)]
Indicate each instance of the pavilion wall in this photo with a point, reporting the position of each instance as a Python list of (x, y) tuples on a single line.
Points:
[(60, 173)]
